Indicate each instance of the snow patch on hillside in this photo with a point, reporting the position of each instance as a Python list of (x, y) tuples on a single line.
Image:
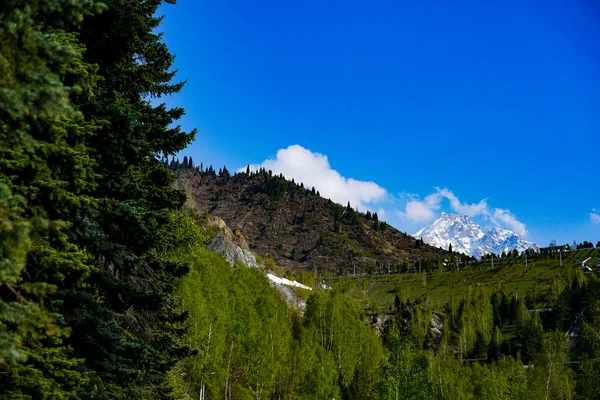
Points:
[(287, 282)]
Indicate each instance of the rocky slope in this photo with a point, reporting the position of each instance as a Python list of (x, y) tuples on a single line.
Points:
[(298, 228), (232, 246), (231, 252)]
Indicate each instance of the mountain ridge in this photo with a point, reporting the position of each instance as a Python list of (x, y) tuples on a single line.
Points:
[(470, 238), (299, 229)]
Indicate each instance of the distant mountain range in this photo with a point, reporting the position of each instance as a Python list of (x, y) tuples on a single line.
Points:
[(469, 237)]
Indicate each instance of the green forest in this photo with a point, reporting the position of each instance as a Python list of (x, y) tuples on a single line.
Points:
[(107, 290)]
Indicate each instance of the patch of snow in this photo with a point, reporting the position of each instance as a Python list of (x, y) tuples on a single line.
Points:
[(287, 282)]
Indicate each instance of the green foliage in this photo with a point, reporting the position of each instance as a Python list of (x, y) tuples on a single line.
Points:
[(86, 307), (107, 292), (494, 348), (405, 374), (505, 379), (591, 326), (20, 313), (237, 324), (588, 379), (45, 176), (179, 236), (551, 378), (532, 338), (246, 342)]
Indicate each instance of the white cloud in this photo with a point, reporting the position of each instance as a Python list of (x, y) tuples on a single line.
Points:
[(471, 210), (508, 219), (313, 170), (418, 211), (426, 210), (595, 216)]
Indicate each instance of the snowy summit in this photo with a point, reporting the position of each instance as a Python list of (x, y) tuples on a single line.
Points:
[(469, 237)]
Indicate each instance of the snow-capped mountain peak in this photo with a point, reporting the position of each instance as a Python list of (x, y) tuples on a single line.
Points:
[(468, 237)]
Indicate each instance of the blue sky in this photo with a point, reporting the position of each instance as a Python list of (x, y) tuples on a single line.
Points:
[(411, 108)]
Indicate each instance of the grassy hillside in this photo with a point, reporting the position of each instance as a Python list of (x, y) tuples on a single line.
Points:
[(377, 292)]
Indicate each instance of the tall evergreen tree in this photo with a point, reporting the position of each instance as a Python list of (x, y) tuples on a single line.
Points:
[(129, 339), (86, 229), (226, 174), (46, 176)]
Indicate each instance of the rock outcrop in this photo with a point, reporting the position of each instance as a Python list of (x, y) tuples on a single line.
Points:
[(232, 252), (380, 321), (437, 327), (291, 297), (221, 229), (233, 247)]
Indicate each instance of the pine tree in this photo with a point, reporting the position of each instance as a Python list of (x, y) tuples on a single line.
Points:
[(226, 175), (127, 358), (46, 175), (397, 304), (450, 248)]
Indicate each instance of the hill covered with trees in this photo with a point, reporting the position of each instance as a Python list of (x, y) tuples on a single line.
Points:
[(108, 292), (297, 227)]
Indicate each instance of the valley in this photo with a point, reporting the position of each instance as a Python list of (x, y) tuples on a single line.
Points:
[(130, 272), (503, 306)]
